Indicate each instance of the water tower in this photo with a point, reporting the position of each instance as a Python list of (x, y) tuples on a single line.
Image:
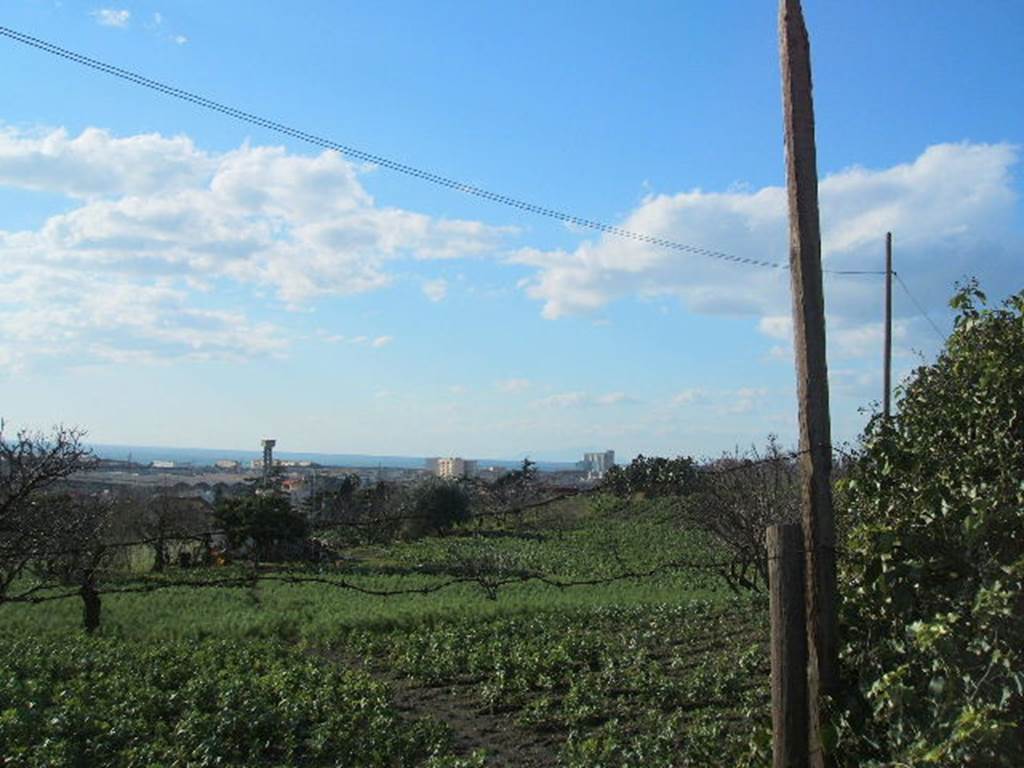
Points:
[(268, 457)]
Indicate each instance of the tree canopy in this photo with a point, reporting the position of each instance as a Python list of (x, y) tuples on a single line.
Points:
[(264, 521)]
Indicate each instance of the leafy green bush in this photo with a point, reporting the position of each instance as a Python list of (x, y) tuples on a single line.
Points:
[(266, 522), (437, 505), (933, 573), (652, 476)]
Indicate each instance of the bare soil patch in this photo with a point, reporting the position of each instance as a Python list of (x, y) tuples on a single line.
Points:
[(507, 744)]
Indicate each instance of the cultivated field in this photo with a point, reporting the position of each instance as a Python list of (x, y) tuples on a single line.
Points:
[(664, 667)]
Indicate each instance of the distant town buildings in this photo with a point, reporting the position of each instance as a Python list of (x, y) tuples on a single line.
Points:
[(451, 467), (597, 464), (166, 464), (298, 488), (286, 463), (268, 462), (228, 464)]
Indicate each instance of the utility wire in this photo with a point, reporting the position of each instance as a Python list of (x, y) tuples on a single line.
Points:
[(854, 271), (923, 312), (393, 165)]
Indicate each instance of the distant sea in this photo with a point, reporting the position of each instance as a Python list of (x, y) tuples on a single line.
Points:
[(146, 454)]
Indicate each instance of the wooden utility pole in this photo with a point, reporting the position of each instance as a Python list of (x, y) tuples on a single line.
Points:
[(887, 368), (789, 645), (812, 370)]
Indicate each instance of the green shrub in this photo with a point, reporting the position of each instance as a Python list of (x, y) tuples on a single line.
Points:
[(653, 476), (933, 572), (266, 522), (436, 507)]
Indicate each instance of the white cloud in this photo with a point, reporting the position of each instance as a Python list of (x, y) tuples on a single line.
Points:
[(862, 339), (777, 326), (613, 398), (951, 212), (179, 39), (581, 399), (303, 226), (863, 385), (84, 319), (435, 290), (112, 17), (382, 341), (330, 338), (563, 400), (689, 396), (152, 212), (96, 165), (513, 386), (721, 402)]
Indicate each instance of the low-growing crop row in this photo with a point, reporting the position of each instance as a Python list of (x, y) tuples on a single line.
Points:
[(92, 702), (656, 685)]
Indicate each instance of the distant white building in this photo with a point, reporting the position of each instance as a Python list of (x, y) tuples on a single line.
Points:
[(453, 467), (285, 463), (163, 464), (597, 464), (229, 464)]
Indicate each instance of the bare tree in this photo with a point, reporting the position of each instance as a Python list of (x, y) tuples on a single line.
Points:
[(167, 524), (83, 538), (31, 463), (739, 496), (509, 495), (337, 503)]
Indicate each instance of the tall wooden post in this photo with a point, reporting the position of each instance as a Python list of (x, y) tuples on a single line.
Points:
[(789, 645), (812, 371), (887, 368)]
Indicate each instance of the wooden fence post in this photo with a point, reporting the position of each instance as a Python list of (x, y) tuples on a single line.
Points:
[(785, 545)]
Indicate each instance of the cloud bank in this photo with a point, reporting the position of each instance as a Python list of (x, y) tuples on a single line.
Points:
[(155, 227), (165, 251), (950, 209)]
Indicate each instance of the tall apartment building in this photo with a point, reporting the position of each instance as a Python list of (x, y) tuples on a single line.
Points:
[(597, 464), (453, 467)]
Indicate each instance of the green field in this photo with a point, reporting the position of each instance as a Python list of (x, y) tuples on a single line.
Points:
[(666, 670)]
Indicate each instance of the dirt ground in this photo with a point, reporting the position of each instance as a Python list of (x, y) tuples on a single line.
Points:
[(508, 745)]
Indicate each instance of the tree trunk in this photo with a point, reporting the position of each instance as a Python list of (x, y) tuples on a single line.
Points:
[(159, 557), (90, 606)]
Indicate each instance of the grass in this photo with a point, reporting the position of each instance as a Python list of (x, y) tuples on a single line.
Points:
[(668, 670)]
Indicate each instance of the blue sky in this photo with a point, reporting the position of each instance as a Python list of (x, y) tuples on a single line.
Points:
[(173, 277)]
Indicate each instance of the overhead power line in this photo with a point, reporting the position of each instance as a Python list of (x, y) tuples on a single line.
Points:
[(384, 162), (923, 312)]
